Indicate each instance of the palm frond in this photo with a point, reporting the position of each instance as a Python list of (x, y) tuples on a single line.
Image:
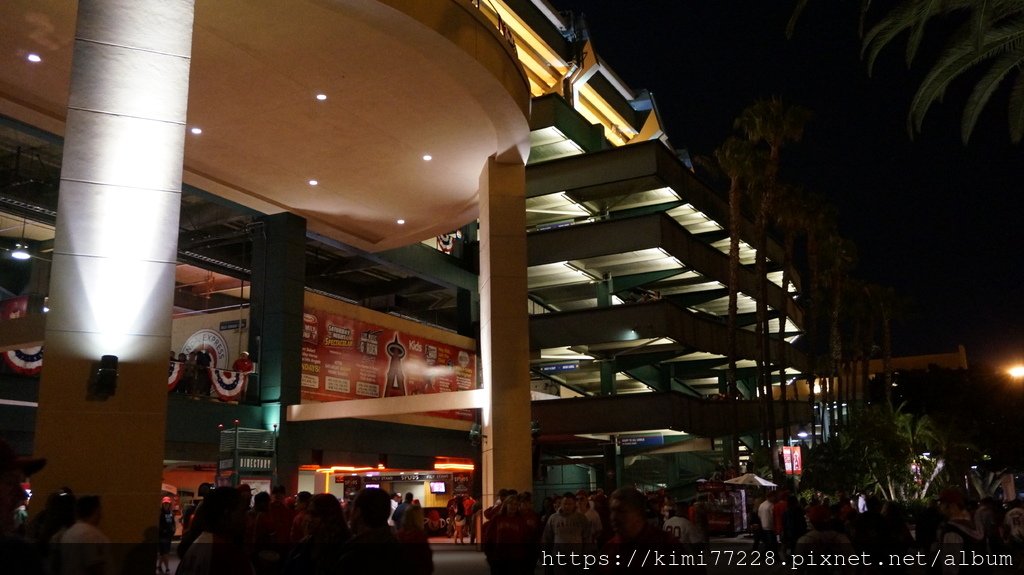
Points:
[(884, 31), (1016, 109), (924, 12), (794, 16), (954, 61), (983, 90), (865, 6), (979, 20)]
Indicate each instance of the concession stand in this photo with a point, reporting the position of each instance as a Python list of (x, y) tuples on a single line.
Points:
[(726, 506)]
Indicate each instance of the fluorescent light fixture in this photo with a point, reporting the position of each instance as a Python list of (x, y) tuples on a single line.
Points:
[(35, 58), (20, 253), (20, 249)]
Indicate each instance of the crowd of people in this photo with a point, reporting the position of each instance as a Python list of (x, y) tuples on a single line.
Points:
[(949, 531), (231, 531), (575, 531), (195, 379)]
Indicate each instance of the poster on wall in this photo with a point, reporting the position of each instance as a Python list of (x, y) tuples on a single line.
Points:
[(345, 358), (462, 483), (792, 460)]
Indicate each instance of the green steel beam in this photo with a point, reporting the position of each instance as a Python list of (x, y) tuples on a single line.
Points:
[(623, 283), (608, 372), (644, 210), (560, 382), (697, 298)]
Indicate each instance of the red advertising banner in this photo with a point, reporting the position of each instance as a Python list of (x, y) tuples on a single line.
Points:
[(792, 460), (14, 307), (345, 358)]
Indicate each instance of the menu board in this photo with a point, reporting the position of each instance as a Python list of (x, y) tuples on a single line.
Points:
[(345, 358)]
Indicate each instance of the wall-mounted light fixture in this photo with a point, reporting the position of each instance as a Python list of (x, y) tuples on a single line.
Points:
[(106, 376), (476, 435)]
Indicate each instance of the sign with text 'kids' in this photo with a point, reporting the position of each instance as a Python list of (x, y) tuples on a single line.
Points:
[(345, 358)]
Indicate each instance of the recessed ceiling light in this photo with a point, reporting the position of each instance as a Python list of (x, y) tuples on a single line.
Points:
[(427, 157), (196, 130), (400, 222), (321, 97), (313, 182), (34, 58)]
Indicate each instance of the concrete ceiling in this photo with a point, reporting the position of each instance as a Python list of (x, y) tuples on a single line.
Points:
[(397, 88)]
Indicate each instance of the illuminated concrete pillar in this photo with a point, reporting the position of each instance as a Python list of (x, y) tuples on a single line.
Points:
[(504, 329), (112, 285)]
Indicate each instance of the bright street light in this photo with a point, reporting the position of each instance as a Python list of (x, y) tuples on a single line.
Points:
[(1016, 371)]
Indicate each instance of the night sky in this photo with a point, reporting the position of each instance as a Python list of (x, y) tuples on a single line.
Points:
[(938, 221)]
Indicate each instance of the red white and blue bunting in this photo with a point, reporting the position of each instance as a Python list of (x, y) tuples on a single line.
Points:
[(174, 374), (28, 361), (228, 385)]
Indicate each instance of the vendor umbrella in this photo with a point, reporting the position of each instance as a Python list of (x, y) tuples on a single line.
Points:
[(750, 479)]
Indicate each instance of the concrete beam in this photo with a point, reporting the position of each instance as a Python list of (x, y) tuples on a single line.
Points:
[(365, 408)]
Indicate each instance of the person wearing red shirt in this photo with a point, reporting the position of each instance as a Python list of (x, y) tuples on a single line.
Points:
[(508, 540), (243, 364), (281, 516), (778, 515)]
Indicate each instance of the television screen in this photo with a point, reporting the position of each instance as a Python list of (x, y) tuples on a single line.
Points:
[(437, 487)]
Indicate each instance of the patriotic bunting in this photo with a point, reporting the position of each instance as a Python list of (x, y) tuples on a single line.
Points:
[(28, 361), (174, 374), (228, 385)]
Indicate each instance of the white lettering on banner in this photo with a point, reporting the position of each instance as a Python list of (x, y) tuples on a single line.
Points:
[(337, 384), (211, 342), (367, 389)]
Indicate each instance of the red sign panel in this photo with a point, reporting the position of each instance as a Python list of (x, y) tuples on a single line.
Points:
[(792, 460), (345, 358), (14, 308)]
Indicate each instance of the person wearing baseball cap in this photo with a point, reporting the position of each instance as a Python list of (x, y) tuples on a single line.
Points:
[(958, 534), (18, 555), (821, 540), (166, 529)]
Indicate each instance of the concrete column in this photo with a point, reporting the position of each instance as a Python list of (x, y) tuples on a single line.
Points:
[(112, 283), (504, 329), (278, 289)]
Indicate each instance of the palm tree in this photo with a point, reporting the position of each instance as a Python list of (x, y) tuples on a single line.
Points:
[(743, 164), (889, 307), (820, 224), (987, 36), (791, 218), (775, 124), (841, 255)]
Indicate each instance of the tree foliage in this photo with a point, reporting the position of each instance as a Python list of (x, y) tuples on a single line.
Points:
[(986, 43), (899, 455)]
